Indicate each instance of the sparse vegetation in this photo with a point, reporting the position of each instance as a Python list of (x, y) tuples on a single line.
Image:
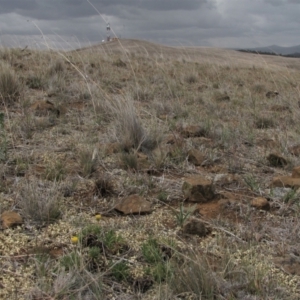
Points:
[(3, 145), (117, 124), (183, 214), (10, 85), (40, 202)]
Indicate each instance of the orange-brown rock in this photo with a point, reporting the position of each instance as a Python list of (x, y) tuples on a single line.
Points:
[(198, 189), (196, 157), (142, 161), (295, 150), (266, 142), (219, 97), (43, 108), (10, 219), (111, 148), (286, 181), (260, 203), (134, 204), (193, 131), (296, 172)]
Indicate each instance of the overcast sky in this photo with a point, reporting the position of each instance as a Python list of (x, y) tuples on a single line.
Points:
[(217, 23)]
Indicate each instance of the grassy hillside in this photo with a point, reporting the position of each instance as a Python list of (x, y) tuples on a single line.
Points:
[(142, 171)]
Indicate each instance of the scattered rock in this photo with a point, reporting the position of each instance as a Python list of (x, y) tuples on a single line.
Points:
[(142, 161), (193, 131), (226, 179), (174, 139), (196, 227), (196, 157), (295, 150), (279, 107), (266, 142), (265, 122), (296, 172), (276, 160), (260, 203), (286, 181), (202, 141), (290, 263), (44, 108), (56, 252), (111, 148), (10, 219), (161, 152), (272, 94), (134, 204), (198, 189), (202, 87), (220, 97)]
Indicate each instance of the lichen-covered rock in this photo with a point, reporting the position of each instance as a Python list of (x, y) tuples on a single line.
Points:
[(134, 204), (276, 160), (198, 189), (296, 172), (196, 227), (286, 181), (196, 157), (260, 203), (10, 219)]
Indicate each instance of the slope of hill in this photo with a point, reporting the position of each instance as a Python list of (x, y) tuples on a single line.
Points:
[(199, 54), (277, 49), (131, 170)]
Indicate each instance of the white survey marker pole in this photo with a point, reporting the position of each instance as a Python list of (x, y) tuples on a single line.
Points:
[(108, 32)]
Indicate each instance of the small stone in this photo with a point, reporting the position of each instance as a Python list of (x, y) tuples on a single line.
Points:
[(266, 142), (226, 179), (286, 181), (193, 131), (196, 157), (272, 94), (198, 189), (44, 108), (134, 204), (202, 87), (220, 97), (196, 227), (111, 148), (10, 219), (279, 107), (260, 203), (296, 172), (295, 150), (276, 160)]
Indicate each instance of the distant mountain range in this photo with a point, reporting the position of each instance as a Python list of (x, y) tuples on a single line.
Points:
[(293, 51)]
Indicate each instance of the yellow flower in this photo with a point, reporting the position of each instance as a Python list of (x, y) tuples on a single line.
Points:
[(98, 217), (74, 239)]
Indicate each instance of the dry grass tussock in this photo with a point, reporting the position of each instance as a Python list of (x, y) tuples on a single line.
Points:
[(80, 131)]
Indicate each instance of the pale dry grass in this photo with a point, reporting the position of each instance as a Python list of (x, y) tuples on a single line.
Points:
[(141, 96)]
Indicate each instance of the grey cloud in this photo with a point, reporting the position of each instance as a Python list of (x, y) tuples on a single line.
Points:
[(59, 9), (194, 22), (281, 2)]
